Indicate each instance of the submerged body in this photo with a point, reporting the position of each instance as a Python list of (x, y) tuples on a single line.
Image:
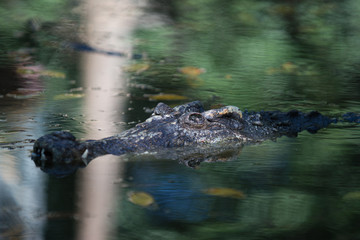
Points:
[(171, 128)]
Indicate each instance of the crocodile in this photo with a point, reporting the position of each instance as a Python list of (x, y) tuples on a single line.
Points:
[(186, 132)]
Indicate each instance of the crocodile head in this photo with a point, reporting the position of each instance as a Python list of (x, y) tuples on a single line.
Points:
[(60, 154), (189, 124), (57, 153)]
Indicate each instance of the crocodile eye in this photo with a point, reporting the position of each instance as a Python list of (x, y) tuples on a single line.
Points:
[(195, 120)]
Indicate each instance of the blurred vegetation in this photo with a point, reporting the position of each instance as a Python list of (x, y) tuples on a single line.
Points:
[(33, 35), (259, 55), (41, 25), (18, 17), (293, 51)]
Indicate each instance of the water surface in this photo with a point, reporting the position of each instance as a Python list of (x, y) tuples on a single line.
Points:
[(65, 66)]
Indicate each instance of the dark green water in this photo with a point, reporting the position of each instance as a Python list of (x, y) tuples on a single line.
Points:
[(263, 55)]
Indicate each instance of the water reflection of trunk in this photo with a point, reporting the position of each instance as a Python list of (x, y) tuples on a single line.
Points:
[(108, 25)]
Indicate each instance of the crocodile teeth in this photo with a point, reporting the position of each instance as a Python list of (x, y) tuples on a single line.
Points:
[(84, 156), (43, 157)]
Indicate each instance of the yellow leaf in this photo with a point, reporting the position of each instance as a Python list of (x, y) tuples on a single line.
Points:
[(137, 67), (194, 82), (271, 71), (286, 68), (352, 196), (284, 10), (225, 192), (24, 71), (67, 96), (53, 74), (191, 71), (247, 18), (167, 97), (141, 198), (289, 67), (24, 93)]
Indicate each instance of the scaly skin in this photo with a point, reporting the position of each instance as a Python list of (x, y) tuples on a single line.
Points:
[(186, 125)]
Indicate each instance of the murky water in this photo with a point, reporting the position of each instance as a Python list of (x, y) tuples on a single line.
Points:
[(65, 66)]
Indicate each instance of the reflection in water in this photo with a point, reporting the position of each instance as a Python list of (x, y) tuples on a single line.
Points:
[(108, 26), (18, 181), (268, 55)]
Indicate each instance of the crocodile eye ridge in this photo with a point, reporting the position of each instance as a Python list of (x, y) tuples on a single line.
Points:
[(195, 120), (162, 109)]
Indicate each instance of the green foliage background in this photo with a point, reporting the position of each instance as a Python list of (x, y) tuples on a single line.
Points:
[(271, 55)]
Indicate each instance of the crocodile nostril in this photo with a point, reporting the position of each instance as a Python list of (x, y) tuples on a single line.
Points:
[(48, 155)]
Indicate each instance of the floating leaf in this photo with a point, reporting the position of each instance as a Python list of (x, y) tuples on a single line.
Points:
[(225, 192), (352, 196), (29, 71), (192, 75), (194, 82), (166, 97), (137, 68), (271, 71), (67, 96), (24, 71), (191, 71), (247, 18), (289, 67), (141, 198), (23, 93), (53, 74), (284, 10)]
